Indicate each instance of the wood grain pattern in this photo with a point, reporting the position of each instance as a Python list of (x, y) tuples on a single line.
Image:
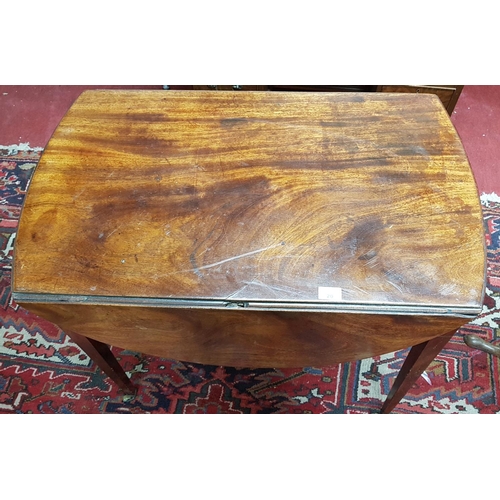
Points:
[(246, 338), (254, 196), (448, 94)]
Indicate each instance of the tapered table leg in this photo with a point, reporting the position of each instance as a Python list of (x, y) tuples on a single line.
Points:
[(101, 355), (418, 359)]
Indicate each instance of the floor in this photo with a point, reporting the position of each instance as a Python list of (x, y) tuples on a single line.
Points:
[(30, 114)]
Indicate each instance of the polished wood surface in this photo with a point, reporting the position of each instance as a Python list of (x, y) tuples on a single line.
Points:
[(448, 94), (254, 229), (255, 196), (246, 338)]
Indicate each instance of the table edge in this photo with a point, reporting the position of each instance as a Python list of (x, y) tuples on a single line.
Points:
[(389, 308)]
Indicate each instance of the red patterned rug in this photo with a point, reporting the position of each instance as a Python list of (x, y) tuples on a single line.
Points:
[(41, 371)]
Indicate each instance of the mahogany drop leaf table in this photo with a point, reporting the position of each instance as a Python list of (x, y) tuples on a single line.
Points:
[(254, 229)]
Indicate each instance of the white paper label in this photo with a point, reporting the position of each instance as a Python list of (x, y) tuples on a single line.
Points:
[(329, 293)]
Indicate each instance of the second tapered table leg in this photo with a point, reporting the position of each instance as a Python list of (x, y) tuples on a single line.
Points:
[(101, 355), (418, 359)]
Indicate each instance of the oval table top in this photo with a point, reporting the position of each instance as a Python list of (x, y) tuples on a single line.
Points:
[(288, 200)]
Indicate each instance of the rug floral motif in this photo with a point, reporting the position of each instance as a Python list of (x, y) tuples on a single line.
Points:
[(42, 371)]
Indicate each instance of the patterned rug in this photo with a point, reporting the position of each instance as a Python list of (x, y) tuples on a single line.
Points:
[(42, 371)]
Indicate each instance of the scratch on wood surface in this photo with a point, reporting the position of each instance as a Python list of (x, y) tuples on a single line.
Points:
[(397, 287), (237, 291), (360, 290), (449, 289), (114, 231), (79, 194), (274, 288), (196, 269)]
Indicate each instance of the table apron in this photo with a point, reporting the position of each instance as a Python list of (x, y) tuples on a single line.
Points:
[(245, 337)]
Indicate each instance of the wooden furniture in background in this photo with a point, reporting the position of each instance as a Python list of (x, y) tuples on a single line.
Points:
[(475, 342), (448, 94), (254, 229)]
